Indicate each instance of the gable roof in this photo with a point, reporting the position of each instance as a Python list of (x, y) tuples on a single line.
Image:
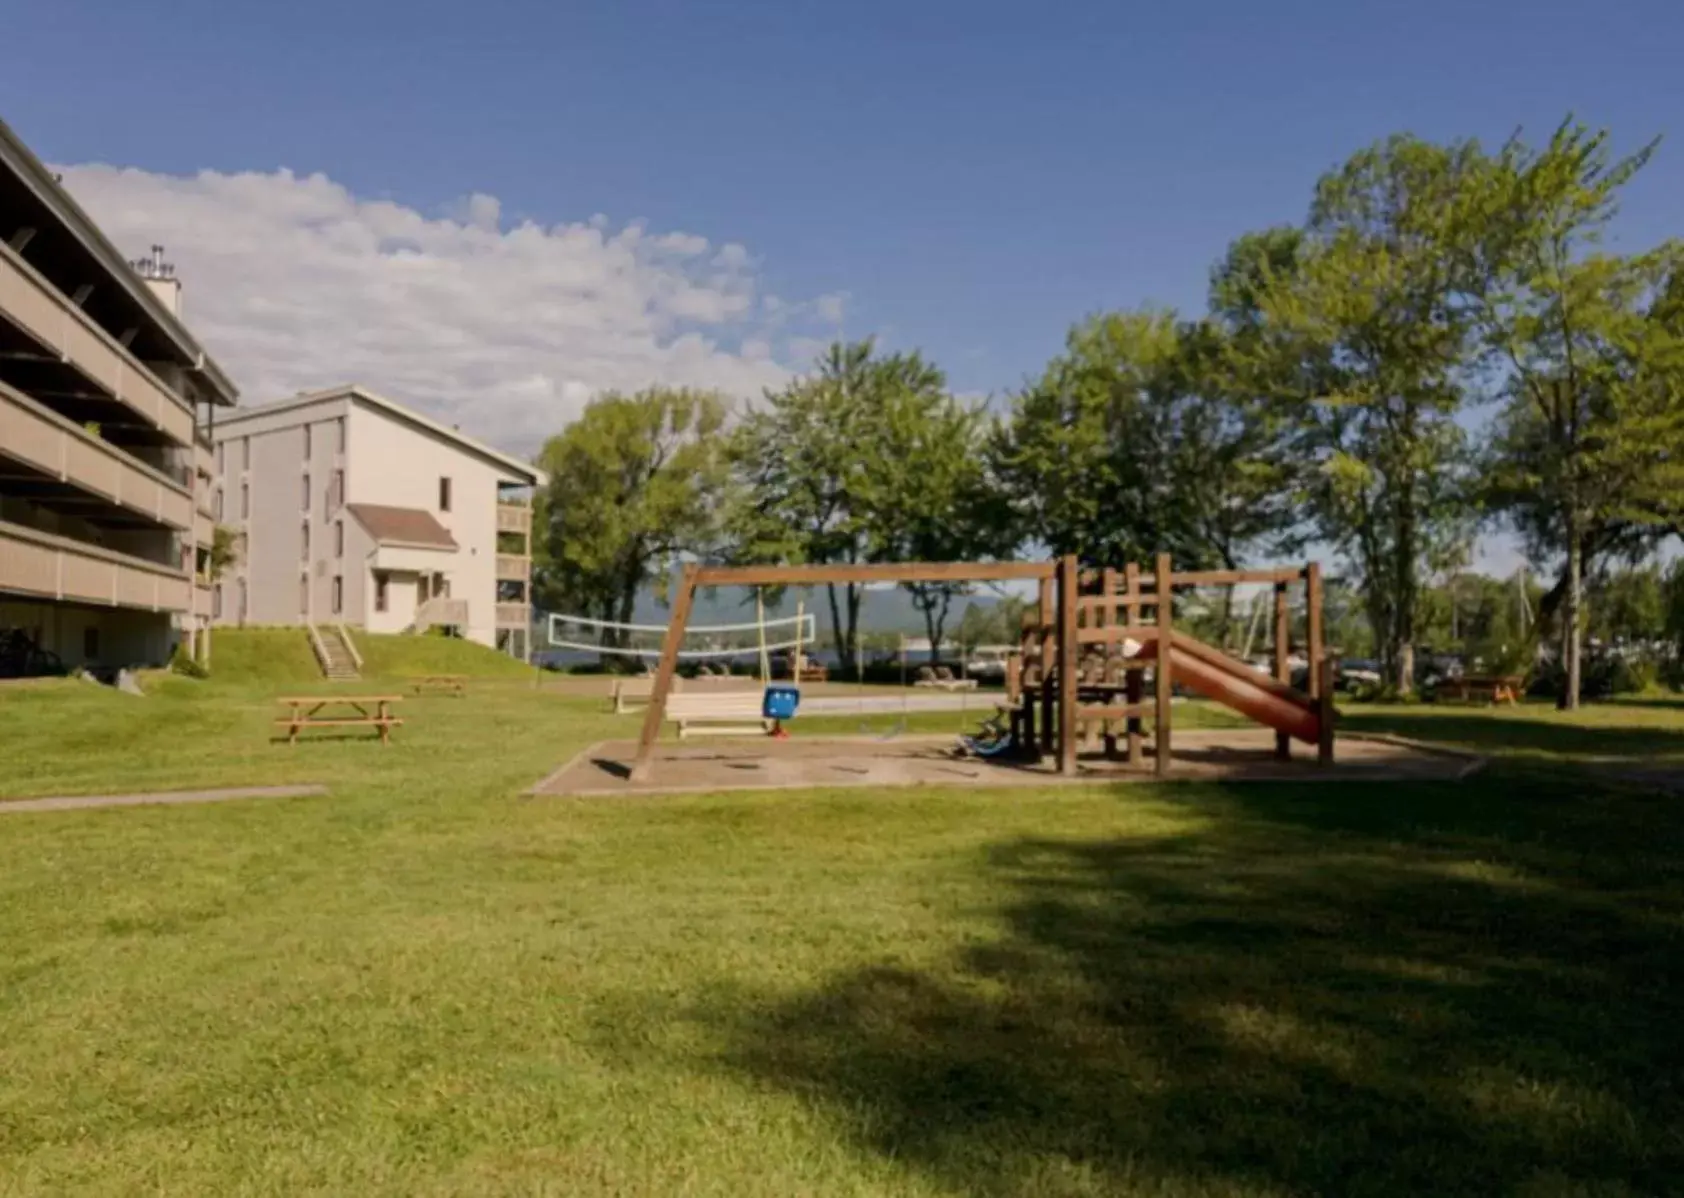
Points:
[(409, 526), (525, 473)]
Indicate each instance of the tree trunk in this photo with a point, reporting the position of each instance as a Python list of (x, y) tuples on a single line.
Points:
[(1570, 640), (844, 659)]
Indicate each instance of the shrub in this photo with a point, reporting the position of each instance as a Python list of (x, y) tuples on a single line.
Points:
[(182, 663)]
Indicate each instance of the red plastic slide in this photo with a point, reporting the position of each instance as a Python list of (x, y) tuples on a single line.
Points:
[(1213, 674)]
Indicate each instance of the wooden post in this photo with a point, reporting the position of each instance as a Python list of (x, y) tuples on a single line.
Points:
[(1162, 671), (1131, 678), (664, 675), (1049, 619), (1107, 617), (1283, 663), (1325, 716), (1068, 649), (1321, 680)]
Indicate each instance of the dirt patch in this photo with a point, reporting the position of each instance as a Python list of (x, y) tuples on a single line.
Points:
[(1229, 754)]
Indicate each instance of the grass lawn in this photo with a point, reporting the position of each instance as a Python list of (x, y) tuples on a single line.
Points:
[(423, 983)]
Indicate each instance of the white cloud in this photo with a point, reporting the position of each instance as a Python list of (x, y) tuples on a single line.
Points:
[(294, 284)]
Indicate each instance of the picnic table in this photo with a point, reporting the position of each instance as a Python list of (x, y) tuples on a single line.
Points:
[(452, 684), (327, 711), (1494, 688)]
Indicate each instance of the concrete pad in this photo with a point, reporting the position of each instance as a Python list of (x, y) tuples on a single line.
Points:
[(78, 802), (1230, 755)]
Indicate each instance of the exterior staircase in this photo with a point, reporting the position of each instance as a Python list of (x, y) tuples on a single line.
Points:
[(336, 653)]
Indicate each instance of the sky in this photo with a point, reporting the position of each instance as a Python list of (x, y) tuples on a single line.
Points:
[(495, 210)]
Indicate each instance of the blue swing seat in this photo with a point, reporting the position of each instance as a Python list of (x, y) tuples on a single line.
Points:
[(780, 702)]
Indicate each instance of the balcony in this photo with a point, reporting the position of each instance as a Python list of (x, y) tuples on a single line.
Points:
[(512, 567), (514, 517), (64, 332), (54, 567), (441, 612), (77, 470), (513, 615)]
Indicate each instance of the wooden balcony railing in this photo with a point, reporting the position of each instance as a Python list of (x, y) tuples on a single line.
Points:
[(55, 567), (34, 434), (513, 615), (514, 517), (32, 304), (512, 567)]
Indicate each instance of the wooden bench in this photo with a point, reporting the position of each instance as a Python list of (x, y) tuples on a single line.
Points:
[(450, 684), (367, 711), (631, 694), (717, 713), (1500, 688)]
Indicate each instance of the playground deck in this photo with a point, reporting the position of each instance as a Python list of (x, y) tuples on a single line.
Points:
[(1227, 755)]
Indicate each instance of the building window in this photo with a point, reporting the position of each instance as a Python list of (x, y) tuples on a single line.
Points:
[(339, 538), (90, 643), (444, 494), (304, 595), (221, 457), (216, 505), (216, 602), (305, 529), (245, 501), (241, 614), (245, 453), (306, 503), (379, 592), (339, 435), (338, 594), (307, 441), (336, 490)]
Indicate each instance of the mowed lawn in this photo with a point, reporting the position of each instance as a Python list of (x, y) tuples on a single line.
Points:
[(425, 983)]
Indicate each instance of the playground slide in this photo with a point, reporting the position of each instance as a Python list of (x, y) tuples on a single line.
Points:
[(1213, 674)]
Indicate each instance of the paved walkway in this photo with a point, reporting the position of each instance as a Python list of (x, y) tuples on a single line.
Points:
[(77, 802)]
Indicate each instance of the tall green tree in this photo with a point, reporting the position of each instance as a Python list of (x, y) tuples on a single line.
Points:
[(1359, 328), (1133, 441), (635, 482), (1588, 455), (823, 464), (928, 497)]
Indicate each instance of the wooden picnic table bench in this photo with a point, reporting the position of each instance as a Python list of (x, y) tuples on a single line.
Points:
[(1494, 688), (371, 711), (454, 684)]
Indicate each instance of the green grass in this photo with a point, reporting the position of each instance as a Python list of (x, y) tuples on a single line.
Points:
[(425, 984)]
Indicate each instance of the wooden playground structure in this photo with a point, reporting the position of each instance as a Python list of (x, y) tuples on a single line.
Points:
[(1085, 647)]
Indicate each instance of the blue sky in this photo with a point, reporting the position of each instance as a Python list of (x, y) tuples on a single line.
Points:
[(973, 176)]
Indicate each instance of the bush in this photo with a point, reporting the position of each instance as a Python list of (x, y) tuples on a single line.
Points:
[(182, 663)]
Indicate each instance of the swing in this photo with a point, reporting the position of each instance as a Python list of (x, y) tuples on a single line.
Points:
[(865, 727), (778, 701)]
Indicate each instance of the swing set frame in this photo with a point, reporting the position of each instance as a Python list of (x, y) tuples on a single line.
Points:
[(696, 575)]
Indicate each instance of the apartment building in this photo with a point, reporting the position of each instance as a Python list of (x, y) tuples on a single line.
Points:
[(355, 510), (105, 469)]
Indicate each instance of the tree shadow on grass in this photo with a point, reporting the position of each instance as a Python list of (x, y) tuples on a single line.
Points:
[(1293, 1002)]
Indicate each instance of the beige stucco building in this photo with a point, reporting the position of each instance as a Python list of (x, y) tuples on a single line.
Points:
[(356, 510), (105, 466)]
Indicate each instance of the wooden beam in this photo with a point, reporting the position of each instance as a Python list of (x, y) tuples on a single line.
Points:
[(1068, 661), (1103, 618), (1132, 683), (1111, 711), (1215, 578), (1114, 634), (749, 576), (1283, 663), (657, 710), (1044, 653), (1163, 674), (1326, 716)]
